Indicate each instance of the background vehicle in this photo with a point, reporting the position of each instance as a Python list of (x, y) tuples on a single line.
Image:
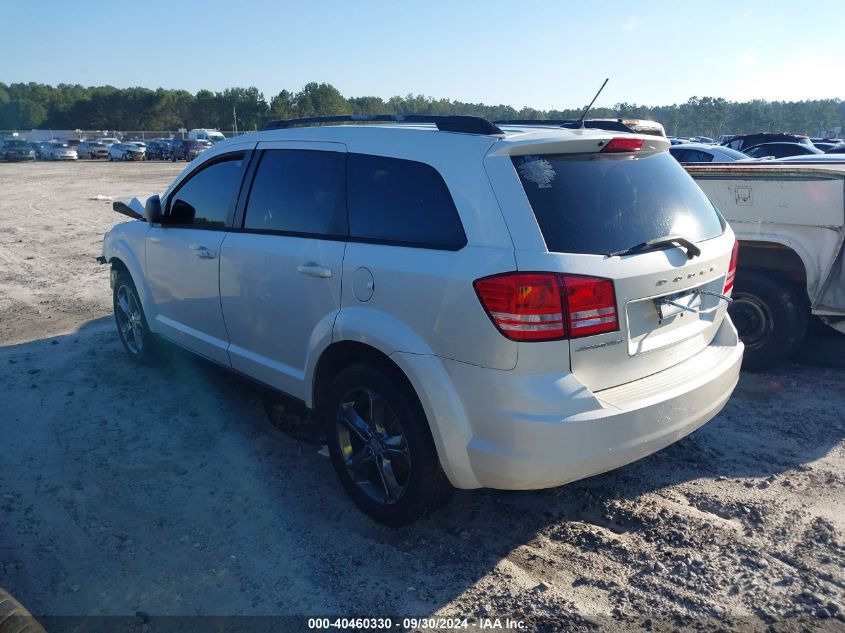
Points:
[(812, 158), (790, 221), (60, 151), (108, 141), (158, 149), (42, 149), (429, 355), (743, 142), (204, 134), (824, 145), (781, 150), (97, 150), (82, 149), (187, 150), (700, 153), (839, 149), (15, 149), (126, 151)]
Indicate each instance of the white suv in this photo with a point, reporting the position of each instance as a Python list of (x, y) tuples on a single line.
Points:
[(458, 304)]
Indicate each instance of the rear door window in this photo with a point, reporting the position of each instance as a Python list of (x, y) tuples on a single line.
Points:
[(401, 202), (299, 191), (599, 204)]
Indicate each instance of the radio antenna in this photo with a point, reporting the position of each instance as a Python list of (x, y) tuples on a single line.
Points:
[(584, 114)]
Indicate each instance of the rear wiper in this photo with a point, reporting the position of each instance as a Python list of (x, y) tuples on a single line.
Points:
[(660, 242)]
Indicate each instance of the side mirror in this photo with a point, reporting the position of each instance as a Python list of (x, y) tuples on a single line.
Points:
[(152, 210)]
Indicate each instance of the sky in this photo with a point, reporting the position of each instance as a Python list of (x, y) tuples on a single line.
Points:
[(541, 54)]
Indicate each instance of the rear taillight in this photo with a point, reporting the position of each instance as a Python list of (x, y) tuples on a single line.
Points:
[(591, 304), (622, 145), (548, 306), (524, 306), (731, 276)]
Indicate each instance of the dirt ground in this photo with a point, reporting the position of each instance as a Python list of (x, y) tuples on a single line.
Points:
[(168, 490)]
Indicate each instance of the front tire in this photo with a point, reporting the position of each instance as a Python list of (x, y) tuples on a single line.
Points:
[(131, 322), (770, 316), (381, 446)]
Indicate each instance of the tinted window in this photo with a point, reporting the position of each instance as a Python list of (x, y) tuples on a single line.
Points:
[(208, 195), (401, 201), (602, 204), (300, 191), (697, 156), (679, 154)]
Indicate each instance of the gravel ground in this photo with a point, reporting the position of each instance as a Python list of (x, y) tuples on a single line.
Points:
[(169, 490)]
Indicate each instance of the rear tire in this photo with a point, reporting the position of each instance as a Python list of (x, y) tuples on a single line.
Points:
[(381, 446), (135, 335), (770, 316)]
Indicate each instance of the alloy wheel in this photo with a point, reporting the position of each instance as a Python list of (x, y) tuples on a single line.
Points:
[(373, 445), (129, 320)]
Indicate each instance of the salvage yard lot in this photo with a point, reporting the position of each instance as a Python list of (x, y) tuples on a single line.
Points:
[(168, 490)]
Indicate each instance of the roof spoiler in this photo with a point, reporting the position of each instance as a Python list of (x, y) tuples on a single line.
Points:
[(595, 124), (449, 123)]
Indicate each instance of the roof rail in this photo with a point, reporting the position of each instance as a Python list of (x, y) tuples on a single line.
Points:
[(445, 123), (595, 124)]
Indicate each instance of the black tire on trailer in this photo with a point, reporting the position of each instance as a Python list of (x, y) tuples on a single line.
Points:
[(770, 315), (14, 618), (381, 446)]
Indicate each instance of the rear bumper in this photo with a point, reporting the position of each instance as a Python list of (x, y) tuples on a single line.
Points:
[(511, 447)]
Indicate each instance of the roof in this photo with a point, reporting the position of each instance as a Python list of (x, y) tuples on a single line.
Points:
[(423, 141)]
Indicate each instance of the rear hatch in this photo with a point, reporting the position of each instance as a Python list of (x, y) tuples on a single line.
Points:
[(596, 212)]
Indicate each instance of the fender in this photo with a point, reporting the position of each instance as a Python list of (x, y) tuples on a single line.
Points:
[(359, 325), (444, 410), (118, 244), (794, 238)]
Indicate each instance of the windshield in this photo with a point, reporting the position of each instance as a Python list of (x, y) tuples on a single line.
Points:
[(600, 204)]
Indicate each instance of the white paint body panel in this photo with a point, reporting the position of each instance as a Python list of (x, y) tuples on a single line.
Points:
[(801, 207), (502, 414)]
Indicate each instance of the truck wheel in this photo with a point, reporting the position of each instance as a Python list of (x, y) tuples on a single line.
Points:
[(381, 446), (14, 618), (770, 316), (131, 323)]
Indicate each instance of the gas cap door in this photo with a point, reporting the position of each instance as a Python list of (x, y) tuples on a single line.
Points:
[(363, 284)]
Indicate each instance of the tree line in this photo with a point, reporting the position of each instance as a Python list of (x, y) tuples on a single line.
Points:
[(25, 106)]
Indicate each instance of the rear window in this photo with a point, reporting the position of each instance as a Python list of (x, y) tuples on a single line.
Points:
[(401, 202), (599, 204)]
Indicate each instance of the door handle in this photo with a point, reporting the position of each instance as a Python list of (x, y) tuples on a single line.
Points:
[(313, 269), (203, 252)]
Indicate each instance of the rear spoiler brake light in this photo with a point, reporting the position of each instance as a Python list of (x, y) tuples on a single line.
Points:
[(620, 144)]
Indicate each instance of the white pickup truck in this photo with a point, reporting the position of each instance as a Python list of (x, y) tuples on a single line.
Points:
[(790, 220)]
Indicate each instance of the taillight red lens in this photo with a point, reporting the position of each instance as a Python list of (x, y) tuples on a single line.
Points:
[(731, 276), (548, 306), (623, 145), (591, 305), (524, 306)]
